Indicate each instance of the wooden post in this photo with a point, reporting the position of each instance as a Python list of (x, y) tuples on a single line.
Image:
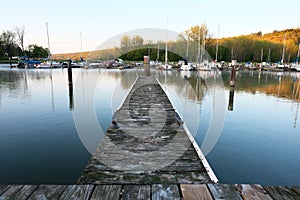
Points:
[(70, 79), (70, 71), (146, 69), (231, 98), (232, 75)]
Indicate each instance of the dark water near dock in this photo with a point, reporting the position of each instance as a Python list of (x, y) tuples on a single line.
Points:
[(40, 141)]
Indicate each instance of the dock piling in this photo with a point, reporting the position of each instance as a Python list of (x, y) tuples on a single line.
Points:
[(232, 75), (70, 79)]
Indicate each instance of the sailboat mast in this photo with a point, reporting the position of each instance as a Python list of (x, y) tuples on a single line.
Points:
[(261, 55), (157, 58), (203, 45), (49, 53), (80, 46), (283, 49), (166, 53), (217, 47), (297, 59), (269, 56), (199, 54), (187, 48)]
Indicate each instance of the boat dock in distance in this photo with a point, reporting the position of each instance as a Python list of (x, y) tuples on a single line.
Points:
[(148, 153)]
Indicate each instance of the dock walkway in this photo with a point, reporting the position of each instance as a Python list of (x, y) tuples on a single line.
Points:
[(148, 153), (154, 192), (148, 143)]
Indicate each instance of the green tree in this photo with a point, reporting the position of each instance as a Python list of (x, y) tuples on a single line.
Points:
[(35, 51), (2, 50), (9, 43), (197, 32)]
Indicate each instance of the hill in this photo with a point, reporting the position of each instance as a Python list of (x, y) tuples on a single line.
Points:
[(253, 47)]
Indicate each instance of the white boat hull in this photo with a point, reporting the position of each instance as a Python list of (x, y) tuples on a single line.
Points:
[(186, 67), (166, 67), (205, 66)]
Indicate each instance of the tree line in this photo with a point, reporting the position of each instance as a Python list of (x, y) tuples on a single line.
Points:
[(197, 40), (12, 45)]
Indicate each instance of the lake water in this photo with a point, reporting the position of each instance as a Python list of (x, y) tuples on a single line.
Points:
[(250, 134)]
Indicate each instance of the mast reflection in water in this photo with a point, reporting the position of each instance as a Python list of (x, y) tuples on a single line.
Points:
[(261, 135)]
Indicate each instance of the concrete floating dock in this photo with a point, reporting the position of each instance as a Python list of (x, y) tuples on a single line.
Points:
[(147, 144), (154, 192)]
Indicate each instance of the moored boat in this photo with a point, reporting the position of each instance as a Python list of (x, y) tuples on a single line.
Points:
[(186, 66)]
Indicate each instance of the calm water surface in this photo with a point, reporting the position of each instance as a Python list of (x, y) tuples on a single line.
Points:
[(40, 141)]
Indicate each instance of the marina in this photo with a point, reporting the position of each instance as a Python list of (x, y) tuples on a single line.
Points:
[(188, 92), (158, 100), (110, 174)]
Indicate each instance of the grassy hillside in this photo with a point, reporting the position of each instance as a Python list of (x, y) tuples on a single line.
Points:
[(89, 55)]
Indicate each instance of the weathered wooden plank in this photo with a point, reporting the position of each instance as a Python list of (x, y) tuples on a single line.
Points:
[(281, 192), (136, 192), (106, 192), (223, 191), (296, 189), (77, 192), (10, 192), (197, 192), (148, 177), (3, 188), (165, 191), (24, 192), (148, 146), (252, 191), (47, 192)]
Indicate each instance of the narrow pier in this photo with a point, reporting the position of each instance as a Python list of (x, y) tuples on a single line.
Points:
[(147, 143), (148, 153)]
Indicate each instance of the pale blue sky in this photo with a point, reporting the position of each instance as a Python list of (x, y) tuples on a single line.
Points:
[(100, 20)]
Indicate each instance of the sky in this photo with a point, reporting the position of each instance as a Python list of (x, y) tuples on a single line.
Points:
[(99, 20)]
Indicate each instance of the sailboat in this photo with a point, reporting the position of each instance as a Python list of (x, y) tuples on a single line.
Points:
[(281, 65), (296, 66), (48, 64), (166, 66), (266, 65), (82, 62), (202, 65), (185, 65), (156, 63)]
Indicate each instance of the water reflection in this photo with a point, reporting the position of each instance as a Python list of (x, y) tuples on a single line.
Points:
[(261, 132), (280, 84), (147, 70), (231, 98), (14, 83)]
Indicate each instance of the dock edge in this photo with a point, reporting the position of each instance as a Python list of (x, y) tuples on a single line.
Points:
[(201, 156)]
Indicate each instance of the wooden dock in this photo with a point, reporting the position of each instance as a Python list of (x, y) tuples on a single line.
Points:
[(148, 153), (154, 192), (148, 143)]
